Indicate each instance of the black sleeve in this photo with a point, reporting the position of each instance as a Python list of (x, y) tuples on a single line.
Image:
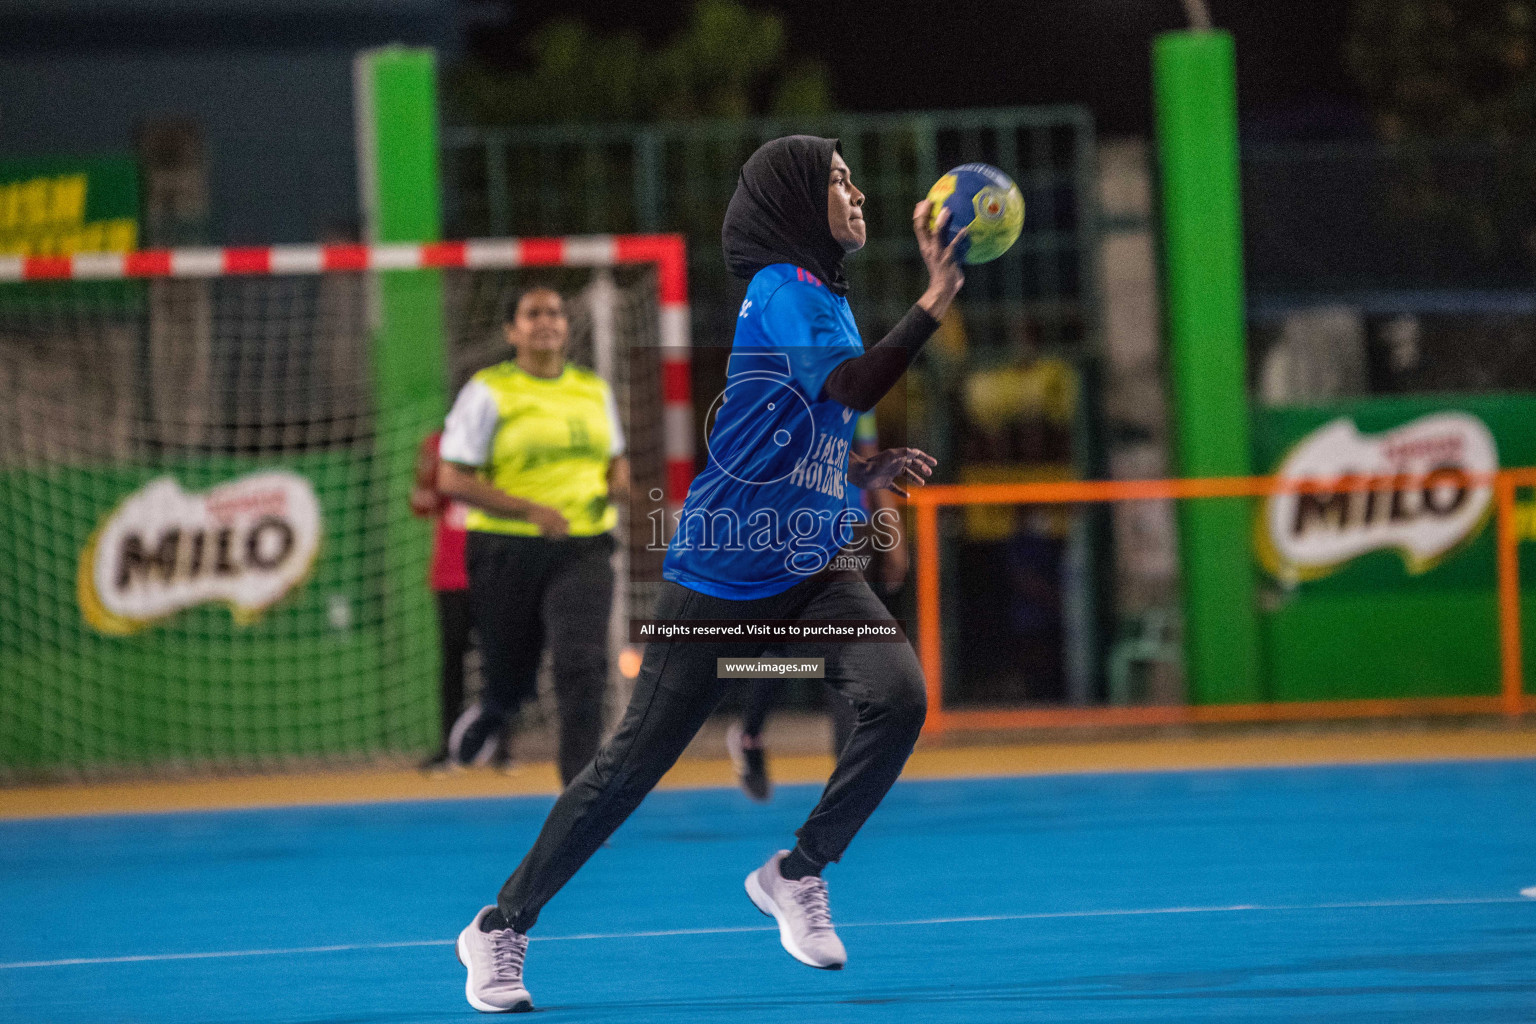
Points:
[(862, 381)]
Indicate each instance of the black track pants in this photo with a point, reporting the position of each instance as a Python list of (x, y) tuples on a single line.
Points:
[(528, 592), (453, 626), (765, 694), (676, 691)]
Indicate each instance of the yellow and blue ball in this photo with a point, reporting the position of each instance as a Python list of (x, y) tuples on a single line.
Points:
[(986, 199)]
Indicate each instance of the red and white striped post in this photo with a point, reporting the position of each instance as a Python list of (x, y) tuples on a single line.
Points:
[(667, 252)]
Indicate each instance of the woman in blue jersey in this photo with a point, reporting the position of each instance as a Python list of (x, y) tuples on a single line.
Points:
[(759, 539)]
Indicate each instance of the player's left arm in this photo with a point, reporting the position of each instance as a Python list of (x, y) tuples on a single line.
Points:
[(890, 470)]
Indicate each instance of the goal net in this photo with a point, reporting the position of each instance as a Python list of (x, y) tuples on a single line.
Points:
[(207, 557)]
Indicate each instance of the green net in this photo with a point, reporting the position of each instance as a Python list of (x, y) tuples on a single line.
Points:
[(204, 561)]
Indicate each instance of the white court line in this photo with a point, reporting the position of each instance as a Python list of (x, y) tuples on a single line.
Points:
[(219, 954), (918, 922)]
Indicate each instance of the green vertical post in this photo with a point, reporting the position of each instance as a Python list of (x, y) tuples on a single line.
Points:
[(1196, 97), (397, 151)]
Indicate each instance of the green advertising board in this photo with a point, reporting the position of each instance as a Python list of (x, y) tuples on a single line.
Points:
[(1388, 592), (206, 680), (58, 206)]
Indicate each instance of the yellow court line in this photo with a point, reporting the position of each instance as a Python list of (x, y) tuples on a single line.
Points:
[(939, 762)]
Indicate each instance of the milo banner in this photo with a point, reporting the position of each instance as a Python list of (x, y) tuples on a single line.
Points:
[(245, 544), (1384, 585), (1408, 489)]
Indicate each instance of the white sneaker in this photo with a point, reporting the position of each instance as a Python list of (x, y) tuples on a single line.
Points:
[(800, 907), (495, 963)]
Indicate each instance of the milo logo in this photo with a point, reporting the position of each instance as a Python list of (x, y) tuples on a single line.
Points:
[(245, 543), (1421, 489)]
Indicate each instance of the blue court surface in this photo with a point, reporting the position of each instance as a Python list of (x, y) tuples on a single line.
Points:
[(1359, 894)]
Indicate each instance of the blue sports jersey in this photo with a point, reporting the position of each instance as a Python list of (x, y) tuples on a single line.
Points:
[(773, 505)]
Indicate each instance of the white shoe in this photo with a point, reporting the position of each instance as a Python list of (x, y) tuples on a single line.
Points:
[(800, 907), (495, 963)]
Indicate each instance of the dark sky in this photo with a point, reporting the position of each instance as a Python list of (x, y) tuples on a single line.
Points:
[(890, 55)]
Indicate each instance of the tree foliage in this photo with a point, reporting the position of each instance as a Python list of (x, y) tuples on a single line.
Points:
[(1447, 68), (727, 61)]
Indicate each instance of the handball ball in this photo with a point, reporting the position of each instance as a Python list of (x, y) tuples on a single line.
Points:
[(985, 198)]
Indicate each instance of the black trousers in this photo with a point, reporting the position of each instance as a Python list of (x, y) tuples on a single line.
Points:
[(676, 691), (454, 622), (528, 592), (765, 694)]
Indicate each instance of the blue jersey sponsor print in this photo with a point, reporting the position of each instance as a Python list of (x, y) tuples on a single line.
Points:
[(773, 505)]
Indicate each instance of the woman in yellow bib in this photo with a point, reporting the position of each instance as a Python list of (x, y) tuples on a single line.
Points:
[(534, 447)]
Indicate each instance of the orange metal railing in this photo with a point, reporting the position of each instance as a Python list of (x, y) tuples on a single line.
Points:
[(927, 501)]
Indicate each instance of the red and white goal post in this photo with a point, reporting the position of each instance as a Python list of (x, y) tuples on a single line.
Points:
[(668, 253)]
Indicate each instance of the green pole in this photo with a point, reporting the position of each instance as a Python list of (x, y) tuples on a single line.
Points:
[(1194, 75), (396, 96)]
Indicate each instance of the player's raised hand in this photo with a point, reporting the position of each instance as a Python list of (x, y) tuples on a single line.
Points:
[(946, 272)]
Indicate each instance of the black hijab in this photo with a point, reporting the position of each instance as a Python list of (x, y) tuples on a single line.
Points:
[(779, 211)]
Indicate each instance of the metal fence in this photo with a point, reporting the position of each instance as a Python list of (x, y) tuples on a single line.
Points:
[(680, 176)]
